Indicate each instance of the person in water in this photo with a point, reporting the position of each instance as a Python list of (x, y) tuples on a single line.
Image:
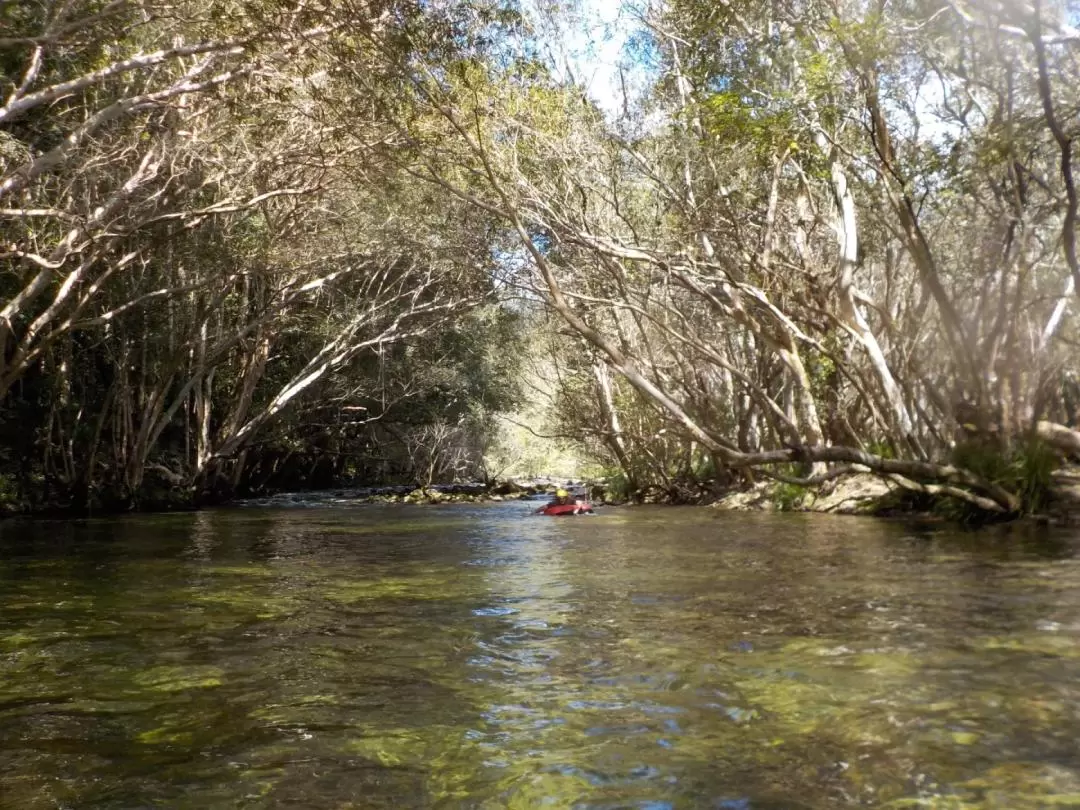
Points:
[(562, 498)]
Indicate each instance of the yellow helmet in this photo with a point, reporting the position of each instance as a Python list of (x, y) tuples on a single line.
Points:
[(561, 493)]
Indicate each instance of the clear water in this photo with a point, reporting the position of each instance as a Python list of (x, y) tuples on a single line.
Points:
[(475, 657)]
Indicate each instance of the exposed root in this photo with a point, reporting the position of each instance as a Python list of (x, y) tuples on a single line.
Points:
[(945, 489)]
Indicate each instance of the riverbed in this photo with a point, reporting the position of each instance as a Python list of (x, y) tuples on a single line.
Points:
[(474, 656)]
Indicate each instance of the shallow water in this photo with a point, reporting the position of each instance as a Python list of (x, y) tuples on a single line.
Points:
[(474, 657)]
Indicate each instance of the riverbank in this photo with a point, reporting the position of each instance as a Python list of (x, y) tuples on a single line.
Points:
[(388, 494), (858, 494), (870, 495), (401, 494)]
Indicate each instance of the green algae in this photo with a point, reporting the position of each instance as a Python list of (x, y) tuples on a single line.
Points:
[(393, 748), (1013, 785), (166, 736), (1034, 644), (258, 604), (964, 737), (21, 638), (178, 679), (432, 522), (356, 591), (421, 585), (245, 571)]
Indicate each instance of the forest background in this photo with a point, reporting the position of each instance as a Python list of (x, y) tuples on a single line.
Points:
[(263, 244)]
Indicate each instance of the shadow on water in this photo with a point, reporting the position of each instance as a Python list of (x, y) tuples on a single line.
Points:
[(474, 657)]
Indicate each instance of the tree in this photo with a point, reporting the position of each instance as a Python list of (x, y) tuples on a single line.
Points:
[(790, 233), (192, 250)]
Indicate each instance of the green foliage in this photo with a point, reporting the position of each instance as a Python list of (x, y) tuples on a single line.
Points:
[(1026, 469), (432, 157), (1034, 470), (821, 71), (823, 371), (10, 500), (617, 487), (883, 447), (789, 497), (733, 117), (220, 313), (704, 467), (867, 37)]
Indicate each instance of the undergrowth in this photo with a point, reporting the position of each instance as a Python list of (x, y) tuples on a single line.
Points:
[(1026, 469), (789, 497)]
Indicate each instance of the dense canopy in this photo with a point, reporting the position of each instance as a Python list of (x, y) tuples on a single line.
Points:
[(277, 243)]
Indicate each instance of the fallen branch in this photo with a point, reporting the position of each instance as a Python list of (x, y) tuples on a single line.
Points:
[(947, 490), (947, 474), (816, 480), (1059, 437), (985, 504)]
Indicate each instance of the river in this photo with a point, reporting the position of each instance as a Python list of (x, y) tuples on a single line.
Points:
[(476, 657)]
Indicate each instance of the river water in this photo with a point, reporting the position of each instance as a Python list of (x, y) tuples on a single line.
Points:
[(476, 657)]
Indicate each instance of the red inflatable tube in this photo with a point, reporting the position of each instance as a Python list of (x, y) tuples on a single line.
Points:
[(559, 510)]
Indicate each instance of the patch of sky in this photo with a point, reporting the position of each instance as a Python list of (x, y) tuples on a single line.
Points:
[(602, 46), (511, 275), (542, 242), (719, 84)]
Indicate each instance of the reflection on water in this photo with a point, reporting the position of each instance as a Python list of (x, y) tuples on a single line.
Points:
[(474, 657)]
